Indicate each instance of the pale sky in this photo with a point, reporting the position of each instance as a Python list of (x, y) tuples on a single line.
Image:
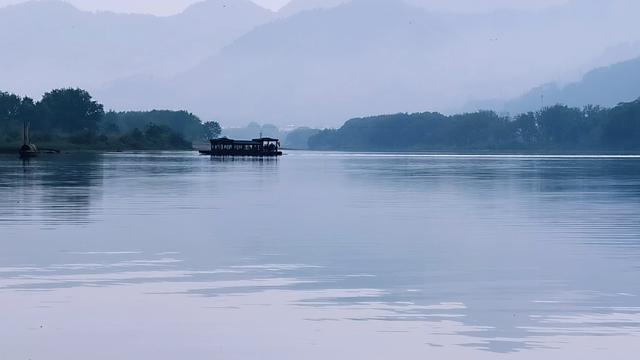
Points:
[(157, 7), (169, 7)]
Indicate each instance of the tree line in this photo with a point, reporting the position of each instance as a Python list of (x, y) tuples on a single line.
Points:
[(71, 118), (555, 128)]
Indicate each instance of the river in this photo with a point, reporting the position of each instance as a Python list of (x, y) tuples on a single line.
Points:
[(170, 255)]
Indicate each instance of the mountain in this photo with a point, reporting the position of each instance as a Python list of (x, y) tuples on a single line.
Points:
[(606, 86), (382, 56), (49, 44), (313, 66)]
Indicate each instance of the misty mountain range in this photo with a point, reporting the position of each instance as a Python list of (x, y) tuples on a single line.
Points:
[(321, 62), (50, 43), (606, 86)]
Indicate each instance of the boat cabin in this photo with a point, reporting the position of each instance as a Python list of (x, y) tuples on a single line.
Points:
[(256, 147)]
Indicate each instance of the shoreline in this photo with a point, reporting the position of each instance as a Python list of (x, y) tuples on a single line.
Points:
[(5, 150), (512, 154)]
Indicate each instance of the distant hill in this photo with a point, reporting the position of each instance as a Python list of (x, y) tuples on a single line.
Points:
[(318, 60), (48, 44), (606, 86)]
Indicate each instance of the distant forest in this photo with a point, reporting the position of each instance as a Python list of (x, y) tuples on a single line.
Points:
[(70, 118), (556, 128)]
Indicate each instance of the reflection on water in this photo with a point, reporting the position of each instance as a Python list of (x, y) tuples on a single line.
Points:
[(70, 186), (319, 255)]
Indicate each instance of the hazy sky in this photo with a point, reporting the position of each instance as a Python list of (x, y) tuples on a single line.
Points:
[(158, 7), (168, 7)]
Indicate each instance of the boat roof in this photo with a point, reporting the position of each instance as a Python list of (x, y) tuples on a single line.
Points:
[(258, 141), (246, 142), (231, 141)]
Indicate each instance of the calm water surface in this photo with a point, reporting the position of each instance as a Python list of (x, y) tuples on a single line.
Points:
[(319, 256)]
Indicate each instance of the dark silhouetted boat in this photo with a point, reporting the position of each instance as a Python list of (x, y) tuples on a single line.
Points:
[(257, 147), (27, 150)]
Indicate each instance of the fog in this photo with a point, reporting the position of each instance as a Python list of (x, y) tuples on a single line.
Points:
[(172, 7), (315, 62)]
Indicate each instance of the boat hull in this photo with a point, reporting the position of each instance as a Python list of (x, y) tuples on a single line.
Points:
[(241, 153), (28, 151), (28, 154)]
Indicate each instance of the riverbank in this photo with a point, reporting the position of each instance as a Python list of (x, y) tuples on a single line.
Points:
[(107, 144), (549, 152), (553, 129), (68, 119), (4, 150)]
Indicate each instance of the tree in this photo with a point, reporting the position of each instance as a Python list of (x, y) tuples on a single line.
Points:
[(622, 130), (10, 126), (183, 123), (561, 125), (212, 129), (27, 110), (526, 130), (70, 111), (9, 104)]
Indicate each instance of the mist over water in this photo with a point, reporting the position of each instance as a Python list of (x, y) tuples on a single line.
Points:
[(319, 255)]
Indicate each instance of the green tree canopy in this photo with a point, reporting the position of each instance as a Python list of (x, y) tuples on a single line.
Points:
[(554, 128), (69, 110), (184, 123), (9, 105), (212, 130), (13, 112)]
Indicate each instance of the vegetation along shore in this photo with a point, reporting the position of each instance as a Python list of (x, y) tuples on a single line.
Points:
[(70, 119), (558, 128)]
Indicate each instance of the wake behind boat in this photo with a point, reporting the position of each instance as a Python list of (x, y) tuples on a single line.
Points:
[(263, 146)]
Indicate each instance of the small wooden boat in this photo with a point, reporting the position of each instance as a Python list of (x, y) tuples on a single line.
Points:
[(257, 147), (27, 150)]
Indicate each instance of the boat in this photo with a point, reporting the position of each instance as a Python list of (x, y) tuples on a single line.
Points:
[(27, 150), (262, 146)]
